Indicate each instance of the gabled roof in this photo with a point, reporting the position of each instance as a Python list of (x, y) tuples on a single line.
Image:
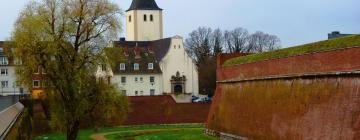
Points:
[(144, 5), (159, 47), (141, 52)]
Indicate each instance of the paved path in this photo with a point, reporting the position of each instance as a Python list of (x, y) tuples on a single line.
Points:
[(101, 136), (6, 101)]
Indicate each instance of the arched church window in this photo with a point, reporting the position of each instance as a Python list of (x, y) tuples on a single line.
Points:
[(145, 18), (179, 46), (129, 18), (151, 18)]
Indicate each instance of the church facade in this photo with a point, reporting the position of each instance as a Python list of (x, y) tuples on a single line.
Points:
[(151, 65)]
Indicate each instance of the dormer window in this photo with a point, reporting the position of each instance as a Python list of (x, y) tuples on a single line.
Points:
[(151, 18), (136, 66), (122, 66), (145, 18), (151, 66)]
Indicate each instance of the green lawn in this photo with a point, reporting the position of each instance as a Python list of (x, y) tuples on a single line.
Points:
[(145, 132), (321, 46)]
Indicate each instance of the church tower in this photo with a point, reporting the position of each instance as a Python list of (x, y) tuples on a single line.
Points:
[(144, 21)]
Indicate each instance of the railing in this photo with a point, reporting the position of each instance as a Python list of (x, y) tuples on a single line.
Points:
[(8, 117)]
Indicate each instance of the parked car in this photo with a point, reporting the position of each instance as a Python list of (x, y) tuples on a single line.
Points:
[(195, 99)]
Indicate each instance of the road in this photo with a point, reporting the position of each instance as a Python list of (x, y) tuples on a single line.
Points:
[(6, 101)]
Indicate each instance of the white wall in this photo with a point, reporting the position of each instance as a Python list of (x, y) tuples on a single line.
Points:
[(178, 60), (140, 30), (131, 85), (11, 78)]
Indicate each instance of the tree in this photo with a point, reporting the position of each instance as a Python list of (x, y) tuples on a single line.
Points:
[(236, 40), (261, 42), (198, 44), (217, 41), (65, 39)]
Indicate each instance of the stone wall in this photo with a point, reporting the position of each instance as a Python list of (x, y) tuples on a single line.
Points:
[(312, 96)]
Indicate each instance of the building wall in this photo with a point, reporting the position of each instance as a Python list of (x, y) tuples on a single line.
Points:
[(312, 96), (131, 85), (140, 30), (11, 88), (178, 60)]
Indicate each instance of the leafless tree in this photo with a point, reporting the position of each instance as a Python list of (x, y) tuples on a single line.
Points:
[(198, 43), (236, 40), (261, 42), (217, 41)]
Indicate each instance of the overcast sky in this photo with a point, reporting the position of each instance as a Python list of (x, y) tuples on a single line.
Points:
[(293, 21)]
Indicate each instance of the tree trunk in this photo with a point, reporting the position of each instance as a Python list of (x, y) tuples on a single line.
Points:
[(72, 131)]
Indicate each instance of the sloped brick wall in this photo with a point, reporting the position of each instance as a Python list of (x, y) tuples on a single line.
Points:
[(331, 61), (164, 110), (307, 104)]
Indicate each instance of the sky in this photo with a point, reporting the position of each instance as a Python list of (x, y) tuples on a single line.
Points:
[(295, 22)]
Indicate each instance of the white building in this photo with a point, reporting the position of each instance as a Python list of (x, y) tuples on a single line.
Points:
[(148, 64), (8, 84)]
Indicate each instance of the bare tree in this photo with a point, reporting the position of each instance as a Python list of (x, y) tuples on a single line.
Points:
[(217, 41), (198, 44), (239, 39), (261, 42), (236, 40)]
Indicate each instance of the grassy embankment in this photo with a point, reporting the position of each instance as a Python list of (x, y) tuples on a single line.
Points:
[(143, 132), (321, 46)]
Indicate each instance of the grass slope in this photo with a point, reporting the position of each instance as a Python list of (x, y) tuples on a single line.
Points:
[(149, 132), (332, 44)]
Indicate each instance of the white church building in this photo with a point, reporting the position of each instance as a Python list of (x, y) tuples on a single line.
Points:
[(152, 65)]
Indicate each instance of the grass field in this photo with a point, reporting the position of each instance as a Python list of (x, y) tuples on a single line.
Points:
[(144, 132)]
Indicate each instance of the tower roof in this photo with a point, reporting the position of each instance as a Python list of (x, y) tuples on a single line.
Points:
[(144, 5)]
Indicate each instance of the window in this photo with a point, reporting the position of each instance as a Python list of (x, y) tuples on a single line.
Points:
[(4, 61), (145, 18), (17, 61), (136, 79), (122, 66), (152, 79), (179, 46), (174, 46), (136, 93), (103, 67), (36, 83), (141, 79), (4, 71), (151, 66), (36, 71), (129, 18), (123, 92), (136, 66), (4, 84), (141, 92), (152, 92), (123, 80), (151, 18)]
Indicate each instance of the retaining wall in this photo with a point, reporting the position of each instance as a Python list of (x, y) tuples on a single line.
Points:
[(312, 96)]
